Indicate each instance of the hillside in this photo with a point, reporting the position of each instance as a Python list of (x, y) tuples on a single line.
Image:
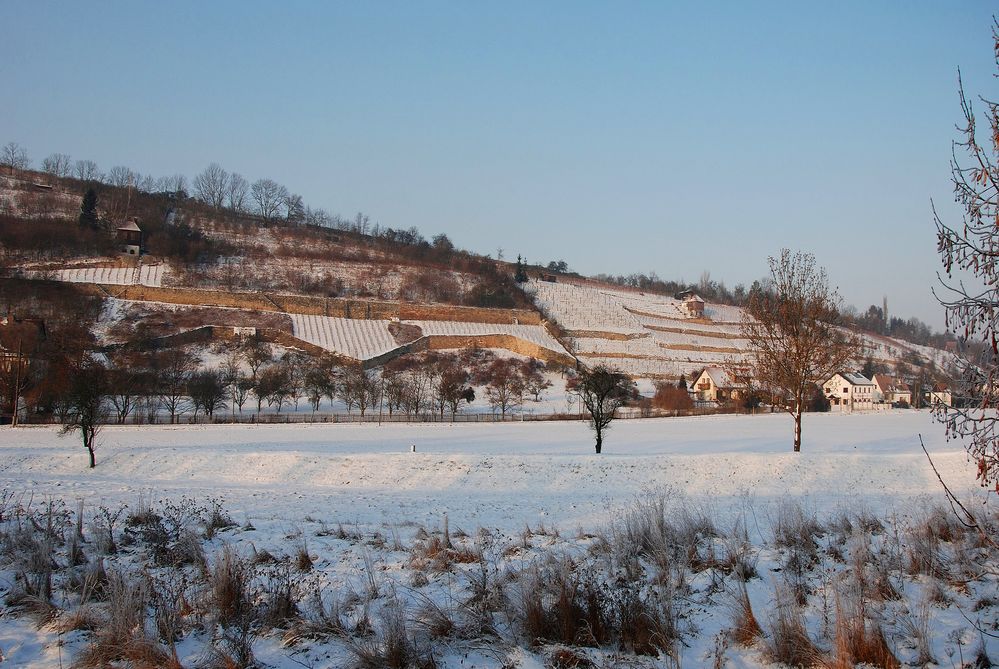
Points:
[(344, 290)]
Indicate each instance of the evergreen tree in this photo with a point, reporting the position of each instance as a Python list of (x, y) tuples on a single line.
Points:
[(88, 209), (682, 383), (520, 274)]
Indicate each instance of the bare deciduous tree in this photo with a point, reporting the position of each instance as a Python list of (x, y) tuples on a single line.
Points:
[(971, 251), (14, 157), (270, 197), (793, 332), (211, 186), (58, 165), (172, 184), (236, 192), (85, 403), (87, 170), (602, 392), (120, 176)]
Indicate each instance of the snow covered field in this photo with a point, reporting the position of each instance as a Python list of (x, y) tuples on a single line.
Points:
[(500, 476), (523, 494)]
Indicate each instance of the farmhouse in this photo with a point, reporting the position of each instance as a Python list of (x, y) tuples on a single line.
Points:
[(850, 391), (891, 390), (718, 385)]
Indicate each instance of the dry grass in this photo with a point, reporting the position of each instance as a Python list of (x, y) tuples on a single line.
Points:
[(746, 629), (439, 554), (229, 587), (858, 640), (788, 642)]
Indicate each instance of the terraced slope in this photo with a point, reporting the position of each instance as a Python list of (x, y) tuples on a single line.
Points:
[(653, 336)]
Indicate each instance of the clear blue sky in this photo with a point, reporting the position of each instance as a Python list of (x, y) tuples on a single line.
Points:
[(621, 137)]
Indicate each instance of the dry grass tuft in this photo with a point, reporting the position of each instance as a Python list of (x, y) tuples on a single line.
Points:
[(440, 555), (788, 642), (746, 628)]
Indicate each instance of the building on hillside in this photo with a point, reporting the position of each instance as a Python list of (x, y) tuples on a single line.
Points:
[(131, 239), (719, 385), (940, 394), (890, 390), (693, 303), (849, 391)]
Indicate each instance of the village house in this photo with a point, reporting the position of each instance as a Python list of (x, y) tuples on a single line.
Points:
[(131, 239), (890, 390), (718, 385), (940, 394), (849, 391)]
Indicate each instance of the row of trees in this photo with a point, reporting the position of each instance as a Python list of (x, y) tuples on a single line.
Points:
[(133, 385)]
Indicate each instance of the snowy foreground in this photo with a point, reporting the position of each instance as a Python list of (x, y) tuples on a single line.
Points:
[(520, 499)]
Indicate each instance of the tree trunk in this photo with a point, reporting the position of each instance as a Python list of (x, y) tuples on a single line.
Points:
[(600, 441), (797, 429)]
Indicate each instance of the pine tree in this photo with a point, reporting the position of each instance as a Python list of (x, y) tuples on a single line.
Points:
[(88, 209), (520, 274)]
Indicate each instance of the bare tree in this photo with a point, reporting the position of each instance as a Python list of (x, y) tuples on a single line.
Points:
[(145, 183), (173, 369), (971, 250), (793, 332), (270, 197), (207, 391), (120, 176), (602, 392), (236, 192), (87, 170), (505, 385), (257, 354), (172, 184), (85, 403), (14, 158), (451, 386), (359, 387), (274, 385), (58, 165), (211, 186), (127, 380), (294, 209)]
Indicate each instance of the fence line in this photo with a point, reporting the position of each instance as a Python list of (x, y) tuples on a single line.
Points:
[(309, 417)]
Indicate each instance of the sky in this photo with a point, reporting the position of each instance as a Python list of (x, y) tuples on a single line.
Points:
[(621, 137)]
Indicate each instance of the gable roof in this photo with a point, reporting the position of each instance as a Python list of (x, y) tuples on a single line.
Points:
[(856, 379), (883, 382), (131, 225), (721, 378)]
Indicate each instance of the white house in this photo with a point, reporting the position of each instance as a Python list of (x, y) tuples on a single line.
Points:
[(940, 395), (849, 391), (890, 390), (718, 385)]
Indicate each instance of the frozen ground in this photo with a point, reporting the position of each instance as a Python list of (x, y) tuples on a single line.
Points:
[(528, 501), (500, 476)]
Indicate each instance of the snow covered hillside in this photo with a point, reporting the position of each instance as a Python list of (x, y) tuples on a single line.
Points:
[(653, 336)]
